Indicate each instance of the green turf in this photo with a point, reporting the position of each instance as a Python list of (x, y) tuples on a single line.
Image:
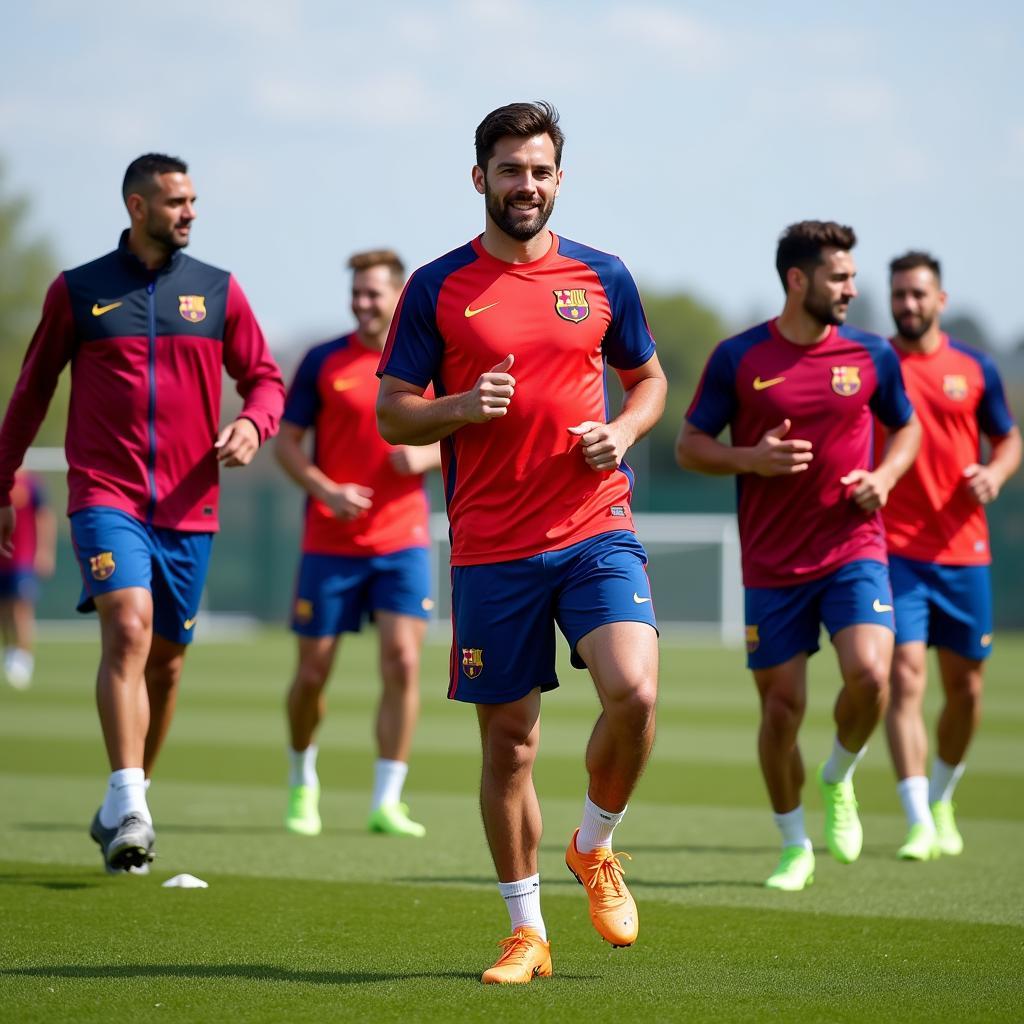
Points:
[(361, 927)]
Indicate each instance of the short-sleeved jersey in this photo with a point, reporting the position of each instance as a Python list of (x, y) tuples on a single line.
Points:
[(958, 395), (802, 526), (518, 485), (27, 495), (335, 394)]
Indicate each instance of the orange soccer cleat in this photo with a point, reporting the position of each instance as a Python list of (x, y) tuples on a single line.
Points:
[(612, 909), (524, 956)]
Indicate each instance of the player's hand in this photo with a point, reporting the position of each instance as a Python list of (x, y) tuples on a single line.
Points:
[(7, 517), (408, 460), (492, 394), (604, 445), (349, 501), (778, 455), (237, 443), (870, 489), (982, 483)]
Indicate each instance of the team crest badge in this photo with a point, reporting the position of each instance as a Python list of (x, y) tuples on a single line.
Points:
[(102, 565), (954, 385), (846, 380), (303, 609), (192, 308), (753, 640), (571, 304), (472, 661)]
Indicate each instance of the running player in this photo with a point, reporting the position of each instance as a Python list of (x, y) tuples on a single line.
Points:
[(364, 549), (514, 329), (938, 549), (798, 394)]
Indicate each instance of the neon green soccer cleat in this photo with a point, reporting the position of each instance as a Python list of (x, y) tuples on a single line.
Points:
[(921, 843), (303, 817), (951, 843), (843, 832), (394, 820), (795, 870)]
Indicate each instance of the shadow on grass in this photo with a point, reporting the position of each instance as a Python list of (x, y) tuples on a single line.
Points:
[(680, 848), (571, 883), (45, 883), (188, 829)]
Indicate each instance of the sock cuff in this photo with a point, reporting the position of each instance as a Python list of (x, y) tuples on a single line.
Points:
[(127, 777), (520, 887)]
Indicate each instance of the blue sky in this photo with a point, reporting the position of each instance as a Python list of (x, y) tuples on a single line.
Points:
[(695, 133)]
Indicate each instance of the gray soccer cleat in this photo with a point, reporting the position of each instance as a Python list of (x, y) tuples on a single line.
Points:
[(127, 848)]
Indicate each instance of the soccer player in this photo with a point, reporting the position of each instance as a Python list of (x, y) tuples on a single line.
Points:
[(938, 549), (364, 550), (798, 394), (514, 329), (34, 547), (148, 332)]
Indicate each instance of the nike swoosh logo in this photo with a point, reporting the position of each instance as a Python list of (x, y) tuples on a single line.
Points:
[(483, 309), (637, 599), (760, 385), (189, 623), (98, 310), (879, 607), (345, 383)]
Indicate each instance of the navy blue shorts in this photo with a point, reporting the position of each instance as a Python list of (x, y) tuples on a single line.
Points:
[(504, 613), (19, 585), (943, 605), (115, 551), (783, 622), (336, 593)]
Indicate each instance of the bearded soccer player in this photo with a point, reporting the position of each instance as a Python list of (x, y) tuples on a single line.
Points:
[(149, 333), (513, 329), (364, 548), (799, 395), (938, 550)]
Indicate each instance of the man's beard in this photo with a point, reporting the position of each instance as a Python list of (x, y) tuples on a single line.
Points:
[(825, 312), (514, 227), (915, 331), (165, 236)]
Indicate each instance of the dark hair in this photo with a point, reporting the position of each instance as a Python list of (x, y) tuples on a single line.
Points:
[(378, 258), (914, 259), (143, 169), (521, 121), (801, 245)]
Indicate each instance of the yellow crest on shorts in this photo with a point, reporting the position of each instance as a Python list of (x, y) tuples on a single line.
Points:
[(846, 380), (753, 640), (303, 609), (472, 661), (102, 565), (192, 307)]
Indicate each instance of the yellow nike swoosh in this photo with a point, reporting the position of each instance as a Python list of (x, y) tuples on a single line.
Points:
[(760, 385), (473, 312), (98, 310), (189, 623), (345, 383), (879, 607)]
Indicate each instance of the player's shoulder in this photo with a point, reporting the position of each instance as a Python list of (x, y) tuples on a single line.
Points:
[(606, 265), (874, 343), (197, 269), (431, 276), (975, 354), (737, 346), (322, 349)]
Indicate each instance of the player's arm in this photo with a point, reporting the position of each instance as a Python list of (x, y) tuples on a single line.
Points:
[(345, 500), (870, 488), (604, 445), (405, 416), (985, 481), (775, 454), (410, 460)]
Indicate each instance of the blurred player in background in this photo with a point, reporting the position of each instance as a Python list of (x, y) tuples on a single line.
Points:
[(33, 558), (514, 329), (364, 548), (939, 551), (149, 333), (797, 394)]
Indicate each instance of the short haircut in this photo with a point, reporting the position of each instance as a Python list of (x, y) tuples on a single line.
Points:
[(143, 169), (802, 244), (378, 258), (914, 259), (520, 121)]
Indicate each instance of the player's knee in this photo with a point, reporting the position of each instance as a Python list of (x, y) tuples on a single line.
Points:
[(868, 684), (399, 664), (507, 751), (782, 713), (127, 633), (311, 676)]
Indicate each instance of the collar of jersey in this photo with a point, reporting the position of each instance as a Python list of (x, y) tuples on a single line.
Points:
[(138, 266), (512, 268), (773, 326)]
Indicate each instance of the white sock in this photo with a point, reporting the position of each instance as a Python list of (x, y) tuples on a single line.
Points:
[(944, 779), (18, 667), (302, 767), (597, 827), (126, 794), (791, 825), (523, 901), (839, 767), (913, 792), (388, 780)]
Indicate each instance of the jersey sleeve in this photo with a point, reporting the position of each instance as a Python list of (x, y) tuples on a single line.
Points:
[(890, 402), (628, 342), (994, 416), (714, 405), (303, 401), (414, 346)]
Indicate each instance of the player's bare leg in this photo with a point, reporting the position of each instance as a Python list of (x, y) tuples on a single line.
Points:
[(783, 692), (18, 619), (163, 675)]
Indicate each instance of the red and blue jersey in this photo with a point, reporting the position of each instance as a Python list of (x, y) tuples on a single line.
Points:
[(335, 394), (148, 350), (958, 396), (27, 496), (518, 485), (802, 526)]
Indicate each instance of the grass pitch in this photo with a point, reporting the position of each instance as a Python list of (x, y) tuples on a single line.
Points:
[(361, 927)]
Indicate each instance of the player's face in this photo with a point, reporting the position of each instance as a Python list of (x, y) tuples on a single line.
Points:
[(168, 211), (520, 185), (831, 287), (375, 295), (917, 301)]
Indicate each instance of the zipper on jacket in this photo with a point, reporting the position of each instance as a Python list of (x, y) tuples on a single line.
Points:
[(151, 293)]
